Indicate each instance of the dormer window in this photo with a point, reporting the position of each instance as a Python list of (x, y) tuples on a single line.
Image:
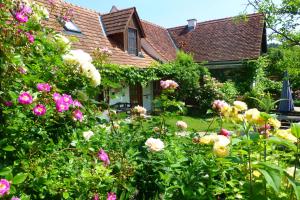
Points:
[(71, 27), (132, 41)]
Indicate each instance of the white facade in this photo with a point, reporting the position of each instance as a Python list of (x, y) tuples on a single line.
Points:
[(148, 96), (119, 96), (123, 96)]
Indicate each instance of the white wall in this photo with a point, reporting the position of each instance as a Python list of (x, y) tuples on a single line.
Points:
[(148, 96), (120, 96), (123, 96)]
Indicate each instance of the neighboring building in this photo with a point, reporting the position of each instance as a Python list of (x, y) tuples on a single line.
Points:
[(224, 43)]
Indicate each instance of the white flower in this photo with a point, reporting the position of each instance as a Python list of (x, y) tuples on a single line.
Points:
[(154, 144), (73, 143), (84, 60), (221, 140), (139, 110), (181, 124), (88, 134)]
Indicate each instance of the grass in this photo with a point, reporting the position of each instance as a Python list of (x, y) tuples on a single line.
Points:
[(199, 123)]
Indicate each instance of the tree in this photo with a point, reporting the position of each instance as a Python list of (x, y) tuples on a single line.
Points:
[(282, 17)]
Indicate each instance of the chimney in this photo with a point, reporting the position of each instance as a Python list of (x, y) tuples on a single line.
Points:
[(114, 9), (192, 24)]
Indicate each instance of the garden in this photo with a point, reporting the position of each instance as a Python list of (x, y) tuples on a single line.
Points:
[(59, 141)]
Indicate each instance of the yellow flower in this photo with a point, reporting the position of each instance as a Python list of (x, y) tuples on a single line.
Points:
[(284, 134), (207, 139), (275, 123), (256, 173), (252, 115), (220, 150), (240, 106)]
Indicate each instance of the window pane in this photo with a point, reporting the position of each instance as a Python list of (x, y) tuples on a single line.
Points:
[(132, 41)]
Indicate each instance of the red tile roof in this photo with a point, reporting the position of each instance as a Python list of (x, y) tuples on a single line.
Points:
[(116, 21), (222, 40), (160, 40), (216, 40), (92, 36)]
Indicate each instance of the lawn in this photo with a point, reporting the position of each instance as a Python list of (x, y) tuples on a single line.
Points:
[(199, 123)]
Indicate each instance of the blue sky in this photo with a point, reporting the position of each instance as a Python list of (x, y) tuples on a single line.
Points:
[(170, 13)]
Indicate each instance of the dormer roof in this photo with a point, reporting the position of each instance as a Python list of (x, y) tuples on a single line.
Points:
[(117, 21)]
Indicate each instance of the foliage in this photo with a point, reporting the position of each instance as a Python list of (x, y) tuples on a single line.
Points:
[(281, 17), (285, 58)]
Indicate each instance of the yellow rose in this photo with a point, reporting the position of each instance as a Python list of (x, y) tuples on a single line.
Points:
[(252, 115), (275, 123), (284, 134), (220, 150), (256, 173), (240, 106), (207, 139)]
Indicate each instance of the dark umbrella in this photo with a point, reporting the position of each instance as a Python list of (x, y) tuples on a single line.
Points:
[(286, 100)]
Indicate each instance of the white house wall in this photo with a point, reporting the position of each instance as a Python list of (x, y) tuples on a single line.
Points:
[(123, 96), (119, 96), (148, 96)]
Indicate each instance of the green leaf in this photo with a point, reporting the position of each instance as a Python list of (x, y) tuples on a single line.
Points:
[(296, 187), (280, 141), (5, 171), (9, 148), (19, 178), (272, 179), (272, 174), (66, 195), (296, 130)]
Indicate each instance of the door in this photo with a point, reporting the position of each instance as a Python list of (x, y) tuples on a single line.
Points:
[(136, 95)]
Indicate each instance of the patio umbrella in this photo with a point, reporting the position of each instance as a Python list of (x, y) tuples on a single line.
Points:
[(286, 104)]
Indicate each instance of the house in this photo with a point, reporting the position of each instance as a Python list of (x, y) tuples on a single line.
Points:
[(223, 43)]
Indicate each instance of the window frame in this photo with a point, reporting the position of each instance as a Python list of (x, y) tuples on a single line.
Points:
[(129, 49), (76, 30)]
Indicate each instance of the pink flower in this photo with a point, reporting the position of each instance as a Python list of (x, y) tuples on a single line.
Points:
[(39, 110), (15, 198), (111, 196), (67, 99), (22, 70), (76, 103), (56, 97), (61, 106), (77, 115), (96, 197), (43, 87), (219, 104), (102, 155), (25, 98), (4, 187), (168, 84), (30, 37), (21, 17), (8, 103), (224, 132)]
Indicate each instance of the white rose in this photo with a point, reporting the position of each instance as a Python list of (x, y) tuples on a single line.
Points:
[(88, 134), (221, 140), (154, 144), (181, 124)]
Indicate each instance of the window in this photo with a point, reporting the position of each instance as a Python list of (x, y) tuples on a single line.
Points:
[(132, 42), (70, 26)]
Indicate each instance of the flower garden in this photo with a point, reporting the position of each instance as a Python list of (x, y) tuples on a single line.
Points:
[(58, 142)]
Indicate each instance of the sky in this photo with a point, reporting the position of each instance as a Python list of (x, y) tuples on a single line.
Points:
[(170, 13)]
